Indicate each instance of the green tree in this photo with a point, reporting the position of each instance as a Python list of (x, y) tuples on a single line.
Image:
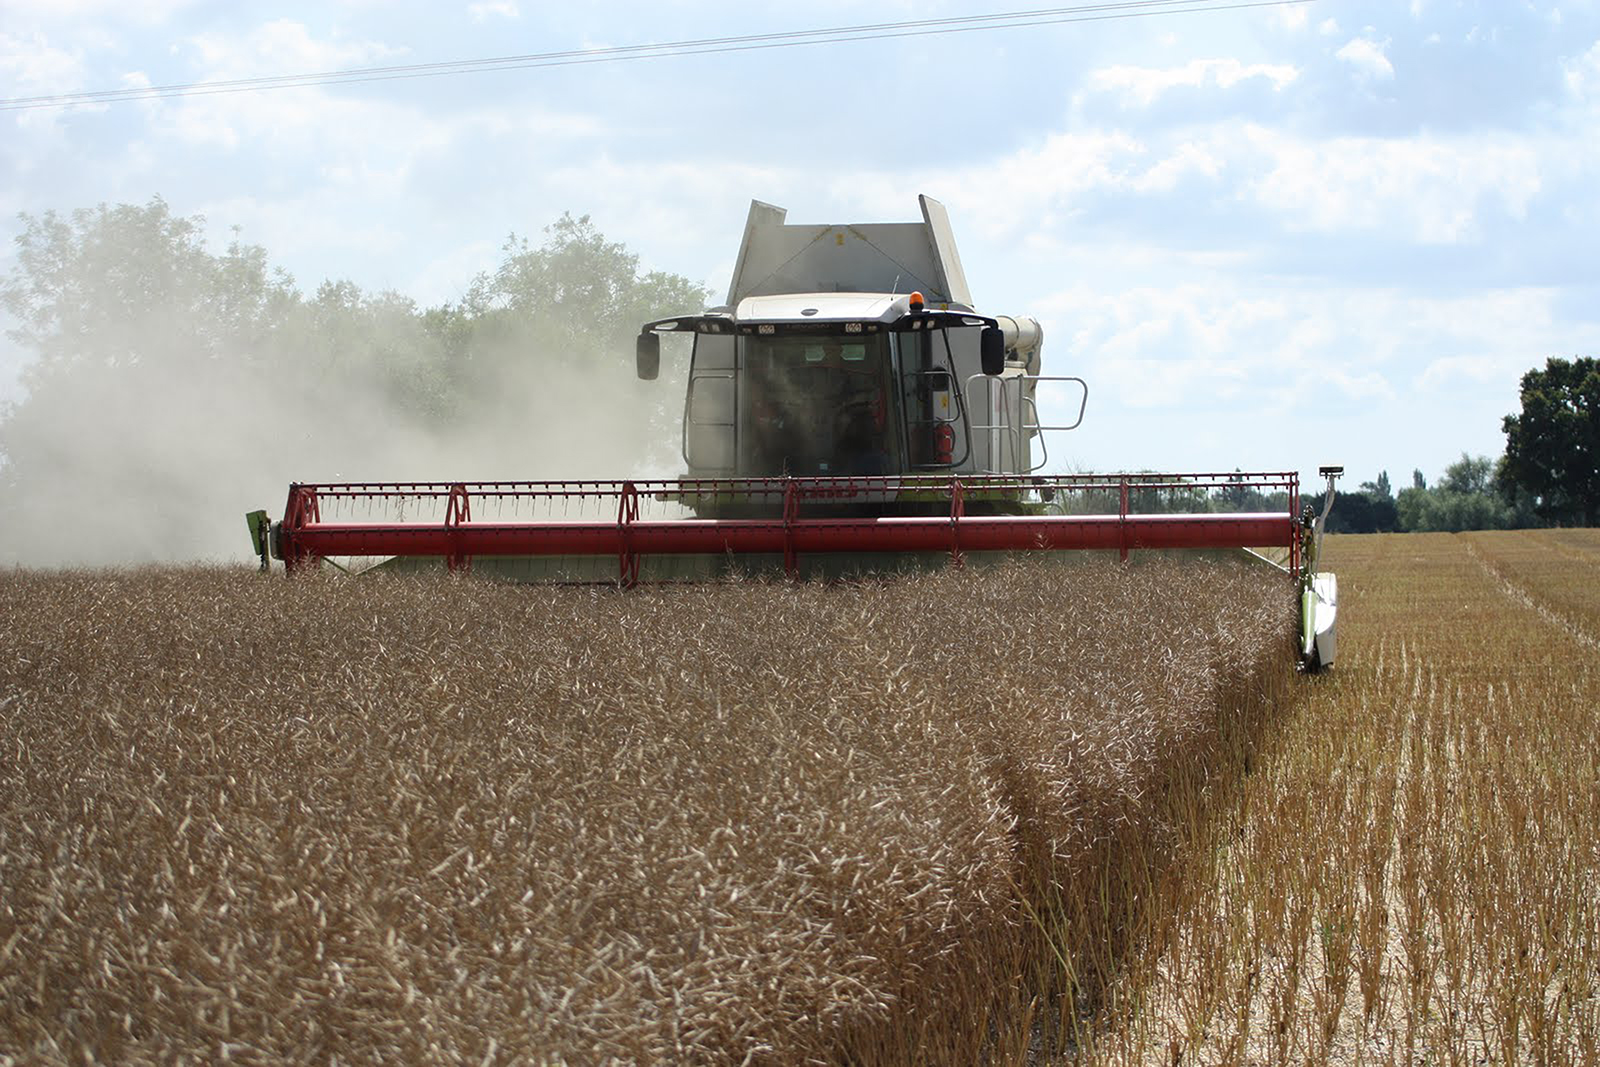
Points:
[(1380, 489), (1370, 509), (1412, 509), (1464, 499), (1553, 445), (579, 290), (552, 332), (115, 287), (381, 346), (1362, 512), (1517, 501), (1471, 475)]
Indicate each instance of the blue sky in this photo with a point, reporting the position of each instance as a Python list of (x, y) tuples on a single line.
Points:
[(1336, 231)]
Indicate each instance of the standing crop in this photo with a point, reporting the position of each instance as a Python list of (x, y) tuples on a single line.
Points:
[(430, 819)]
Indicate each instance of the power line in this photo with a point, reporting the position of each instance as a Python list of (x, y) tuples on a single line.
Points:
[(1095, 12)]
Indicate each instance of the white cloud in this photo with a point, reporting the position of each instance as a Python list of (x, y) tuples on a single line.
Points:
[(1451, 371), (1293, 18), (1328, 27), (1219, 345), (1032, 190), (1582, 75), (145, 12), (482, 12), (688, 202), (299, 119), (1491, 337), (1328, 372), (283, 46), (1189, 158), (1145, 84), (1367, 56), (1425, 188), (32, 66), (1422, 189)]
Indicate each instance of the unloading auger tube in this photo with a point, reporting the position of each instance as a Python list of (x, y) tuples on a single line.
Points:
[(459, 522)]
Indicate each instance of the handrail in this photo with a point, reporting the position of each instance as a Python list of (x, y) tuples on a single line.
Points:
[(1020, 430)]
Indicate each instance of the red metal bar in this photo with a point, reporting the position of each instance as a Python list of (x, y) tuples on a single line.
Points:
[(304, 536), (1295, 545), (627, 516), (956, 533), (458, 510), (1122, 517), (302, 510), (958, 511), (791, 512)]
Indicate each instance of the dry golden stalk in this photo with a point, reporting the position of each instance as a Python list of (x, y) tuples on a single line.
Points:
[(427, 819), (1437, 797)]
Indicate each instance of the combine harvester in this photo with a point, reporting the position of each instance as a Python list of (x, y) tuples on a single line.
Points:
[(847, 409)]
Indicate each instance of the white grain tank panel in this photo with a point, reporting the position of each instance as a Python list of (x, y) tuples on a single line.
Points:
[(890, 257), (763, 216), (954, 277)]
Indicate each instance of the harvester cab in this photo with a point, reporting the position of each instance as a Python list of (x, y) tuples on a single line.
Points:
[(856, 351), (847, 408)]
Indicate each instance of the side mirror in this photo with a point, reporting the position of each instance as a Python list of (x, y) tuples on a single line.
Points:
[(992, 348), (647, 354)]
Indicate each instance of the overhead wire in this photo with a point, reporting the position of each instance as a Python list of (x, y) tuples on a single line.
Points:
[(1092, 12)]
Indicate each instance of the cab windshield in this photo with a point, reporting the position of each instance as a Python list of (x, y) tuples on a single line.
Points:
[(819, 405)]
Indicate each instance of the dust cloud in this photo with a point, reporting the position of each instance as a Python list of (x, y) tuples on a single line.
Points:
[(154, 451)]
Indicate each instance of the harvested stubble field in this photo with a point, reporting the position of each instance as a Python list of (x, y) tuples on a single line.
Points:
[(410, 820), (1411, 872)]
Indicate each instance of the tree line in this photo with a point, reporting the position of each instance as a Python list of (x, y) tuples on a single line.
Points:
[(1549, 474)]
